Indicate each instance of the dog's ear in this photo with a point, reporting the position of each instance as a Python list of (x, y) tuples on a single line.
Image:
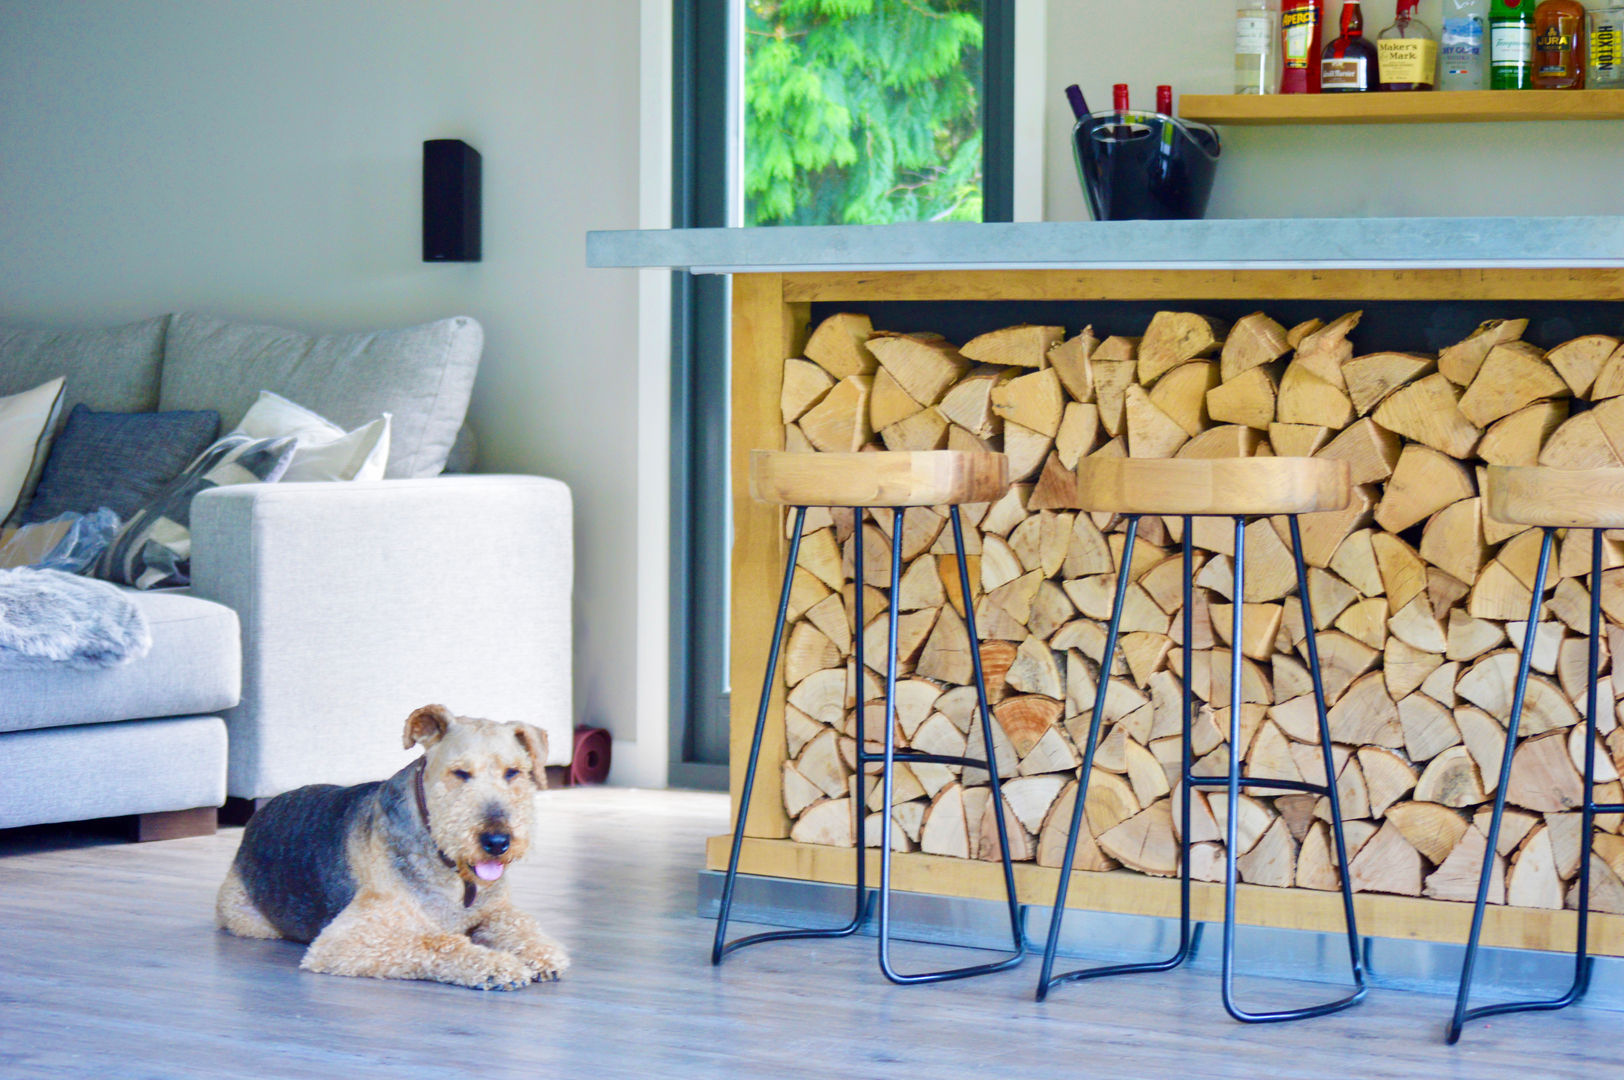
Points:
[(427, 726), (534, 741)]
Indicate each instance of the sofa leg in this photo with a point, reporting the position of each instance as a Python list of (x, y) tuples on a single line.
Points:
[(175, 824)]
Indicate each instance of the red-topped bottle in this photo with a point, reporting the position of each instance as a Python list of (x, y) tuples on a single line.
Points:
[(1300, 29), (1348, 65)]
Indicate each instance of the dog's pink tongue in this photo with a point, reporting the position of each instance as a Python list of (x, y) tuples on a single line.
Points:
[(489, 871)]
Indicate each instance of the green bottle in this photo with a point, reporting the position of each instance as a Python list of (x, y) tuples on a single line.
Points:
[(1511, 44)]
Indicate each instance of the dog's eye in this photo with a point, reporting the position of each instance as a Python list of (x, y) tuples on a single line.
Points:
[(510, 775), (462, 774)]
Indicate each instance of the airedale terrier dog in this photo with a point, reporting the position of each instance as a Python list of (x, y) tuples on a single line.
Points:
[(404, 878)]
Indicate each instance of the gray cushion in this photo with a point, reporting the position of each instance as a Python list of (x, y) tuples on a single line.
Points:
[(195, 666), (117, 460), (109, 770), (422, 374), (112, 370)]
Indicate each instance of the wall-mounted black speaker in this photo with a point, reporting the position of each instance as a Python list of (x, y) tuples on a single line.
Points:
[(450, 201)]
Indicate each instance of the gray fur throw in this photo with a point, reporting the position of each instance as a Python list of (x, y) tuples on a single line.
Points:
[(49, 617)]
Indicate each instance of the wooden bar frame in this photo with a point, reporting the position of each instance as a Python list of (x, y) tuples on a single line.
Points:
[(770, 317)]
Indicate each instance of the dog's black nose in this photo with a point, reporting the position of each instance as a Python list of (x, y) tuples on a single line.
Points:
[(494, 842)]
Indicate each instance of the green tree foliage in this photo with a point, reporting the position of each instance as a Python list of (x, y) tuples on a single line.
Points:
[(862, 111)]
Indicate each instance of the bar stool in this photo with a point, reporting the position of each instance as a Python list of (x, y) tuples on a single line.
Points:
[(1549, 499), (894, 480), (1238, 488)]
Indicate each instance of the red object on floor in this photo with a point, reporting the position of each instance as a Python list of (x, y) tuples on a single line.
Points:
[(590, 765)]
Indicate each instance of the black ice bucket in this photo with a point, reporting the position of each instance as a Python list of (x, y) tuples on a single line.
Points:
[(1144, 166)]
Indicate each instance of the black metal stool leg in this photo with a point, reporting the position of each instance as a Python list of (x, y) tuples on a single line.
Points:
[(720, 947), (1046, 980), (1581, 972), (891, 756)]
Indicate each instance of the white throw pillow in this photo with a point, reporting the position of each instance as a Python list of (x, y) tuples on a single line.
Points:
[(27, 422), (326, 451)]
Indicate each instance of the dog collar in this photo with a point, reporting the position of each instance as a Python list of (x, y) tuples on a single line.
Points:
[(469, 889)]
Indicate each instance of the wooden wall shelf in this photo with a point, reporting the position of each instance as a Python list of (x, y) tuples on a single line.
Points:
[(1434, 107)]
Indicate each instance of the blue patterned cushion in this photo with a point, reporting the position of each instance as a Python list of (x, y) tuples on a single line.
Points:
[(116, 460), (154, 548)]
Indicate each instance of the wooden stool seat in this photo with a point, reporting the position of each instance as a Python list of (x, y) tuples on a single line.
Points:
[(887, 478), (1212, 486), (1556, 498)]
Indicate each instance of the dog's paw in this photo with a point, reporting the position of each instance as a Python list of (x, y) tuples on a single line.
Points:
[(547, 962), (504, 972)]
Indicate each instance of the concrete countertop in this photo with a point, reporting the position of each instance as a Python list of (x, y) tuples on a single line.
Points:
[(1260, 244)]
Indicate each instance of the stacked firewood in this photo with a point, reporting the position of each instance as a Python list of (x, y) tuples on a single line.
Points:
[(1418, 600)]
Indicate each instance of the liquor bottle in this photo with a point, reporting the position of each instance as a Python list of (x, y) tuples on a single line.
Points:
[(1164, 100), (1257, 46), (1511, 44), (1559, 45), (1407, 52), (1604, 60), (1348, 64), (1119, 96), (1301, 23), (1463, 53)]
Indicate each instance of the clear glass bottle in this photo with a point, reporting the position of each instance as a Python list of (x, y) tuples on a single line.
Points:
[(1348, 64), (1604, 62), (1559, 45), (1408, 52), (1257, 46), (1463, 53)]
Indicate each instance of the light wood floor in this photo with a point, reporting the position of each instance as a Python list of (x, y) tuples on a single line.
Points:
[(110, 967)]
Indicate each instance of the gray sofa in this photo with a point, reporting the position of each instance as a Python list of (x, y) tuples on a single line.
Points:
[(320, 614)]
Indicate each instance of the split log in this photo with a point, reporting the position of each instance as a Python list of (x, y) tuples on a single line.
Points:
[(1323, 533), (1366, 621), (1111, 381), (1014, 346), (1532, 880), (1033, 401), (1406, 668), (1073, 359), (1316, 862), (1428, 412), (1451, 779), (1223, 441), (1247, 399), (1056, 487), (1305, 398), (1388, 778), (1366, 715), (1423, 482), (1026, 449), (1272, 860), (828, 822), (888, 402), (1151, 432), (805, 383), (1512, 375), (944, 830), (1372, 452), (1324, 350), (1252, 342), (1387, 863), (838, 345), (807, 652), (1458, 875), (1588, 440), (1371, 379), (1429, 729), (924, 430), (1056, 828), (1490, 684), (1459, 363), (840, 422), (969, 404), (1298, 440), (1518, 439), (1182, 394), (1172, 338), (924, 365), (1542, 775), (1079, 432)]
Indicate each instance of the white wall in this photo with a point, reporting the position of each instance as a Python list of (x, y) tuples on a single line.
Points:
[(261, 159), (1383, 170)]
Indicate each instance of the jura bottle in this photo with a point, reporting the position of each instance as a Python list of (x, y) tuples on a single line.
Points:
[(1348, 64), (1463, 53), (1408, 52), (1301, 24), (1511, 44), (1257, 46), (1559, 45)]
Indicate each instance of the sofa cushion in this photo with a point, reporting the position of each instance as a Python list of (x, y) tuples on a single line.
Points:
[(111, 370), (154, 548), (27, 424), (194, 666), (423, 375), (116, 460), (326, 451)]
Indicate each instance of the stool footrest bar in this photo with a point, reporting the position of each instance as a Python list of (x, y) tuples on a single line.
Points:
[(1258, 782), (916, 756)]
